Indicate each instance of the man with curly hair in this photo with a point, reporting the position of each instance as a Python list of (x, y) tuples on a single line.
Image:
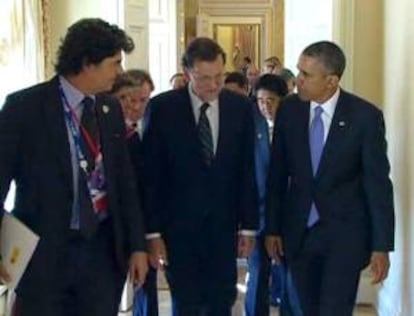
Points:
[(64, 146)]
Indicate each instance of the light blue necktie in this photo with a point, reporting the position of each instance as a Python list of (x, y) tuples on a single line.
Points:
[(316, 142)]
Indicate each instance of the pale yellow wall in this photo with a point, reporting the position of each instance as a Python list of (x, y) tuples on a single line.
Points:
[(368, 50), (397, 293), (225, 38), (64, 13), (377, 37), (383, 72), (358, 29)]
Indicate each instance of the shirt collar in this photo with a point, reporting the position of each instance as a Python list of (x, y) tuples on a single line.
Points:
[(196, 102), (73, 95), (329, 105)]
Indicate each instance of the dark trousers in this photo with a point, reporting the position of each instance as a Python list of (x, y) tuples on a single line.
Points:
[(86, 281), (258, 292), (257, 296), (326, 271), (290, 304), (202, 271), (146, 298), (186, 310)]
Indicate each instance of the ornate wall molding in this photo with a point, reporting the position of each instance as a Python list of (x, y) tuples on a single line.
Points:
[(268, 13), (136, 19)]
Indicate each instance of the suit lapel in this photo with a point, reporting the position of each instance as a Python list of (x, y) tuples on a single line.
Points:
[(188, 113), (224, 116), (185, 120), (103, 112), (303, 117), (338, 125), (56, 125)]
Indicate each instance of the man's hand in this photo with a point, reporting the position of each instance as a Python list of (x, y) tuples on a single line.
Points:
[(274, 248), (138, 267), (4, 275), (245, 246), (380, 264), (157, 253)]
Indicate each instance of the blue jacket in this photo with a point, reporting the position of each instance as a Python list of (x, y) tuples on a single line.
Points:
[(262, 159)]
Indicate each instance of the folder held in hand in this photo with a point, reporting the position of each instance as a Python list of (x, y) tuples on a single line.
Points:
[(17, 245)]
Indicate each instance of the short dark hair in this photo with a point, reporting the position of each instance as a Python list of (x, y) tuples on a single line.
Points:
[(89, 41), (237, 78), (177, 74), (121, 81), (272, 83), (140, 76), (329, 54), (203, 49), (287, 74)]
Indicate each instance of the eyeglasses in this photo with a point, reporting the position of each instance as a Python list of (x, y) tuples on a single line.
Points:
[(205, 79)]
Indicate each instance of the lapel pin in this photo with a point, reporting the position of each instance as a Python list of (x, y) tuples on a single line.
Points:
[(342, 123), (105, 109)]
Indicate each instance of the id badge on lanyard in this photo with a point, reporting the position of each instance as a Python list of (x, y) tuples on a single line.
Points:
[(96, 177)]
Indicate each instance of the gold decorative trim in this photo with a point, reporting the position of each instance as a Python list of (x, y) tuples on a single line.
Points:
[(279, 30), (45, 11)]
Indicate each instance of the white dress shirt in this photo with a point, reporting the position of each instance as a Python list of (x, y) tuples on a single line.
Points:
[(212, 113), (328, 107)]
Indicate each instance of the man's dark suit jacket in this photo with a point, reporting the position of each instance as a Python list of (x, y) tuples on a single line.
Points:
[(135, 149), (199, 209), (146, 297), (351, 189), (35, 152)]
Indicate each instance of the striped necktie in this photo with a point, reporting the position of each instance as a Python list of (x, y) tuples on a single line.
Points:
[(205, 136)]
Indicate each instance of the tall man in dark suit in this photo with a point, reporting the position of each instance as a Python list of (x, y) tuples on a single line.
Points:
[(64, 146), (330, 198), (201, 199)]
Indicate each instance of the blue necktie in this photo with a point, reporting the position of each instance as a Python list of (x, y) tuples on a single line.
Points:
[(316, 142)]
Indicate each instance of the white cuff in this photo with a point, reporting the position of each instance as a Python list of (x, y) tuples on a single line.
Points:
[(248, 233), (152, 236)]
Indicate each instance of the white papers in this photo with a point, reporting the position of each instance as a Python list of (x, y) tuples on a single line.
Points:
[(17, 244)]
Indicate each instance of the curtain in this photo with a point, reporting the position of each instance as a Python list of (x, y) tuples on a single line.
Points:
[(22, 45)]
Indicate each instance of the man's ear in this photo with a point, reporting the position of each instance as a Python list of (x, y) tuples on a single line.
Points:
[(86, 65), (333, 81)]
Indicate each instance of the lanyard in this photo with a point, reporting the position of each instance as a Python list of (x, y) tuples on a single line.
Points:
[(95, 179), (77, 130)]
